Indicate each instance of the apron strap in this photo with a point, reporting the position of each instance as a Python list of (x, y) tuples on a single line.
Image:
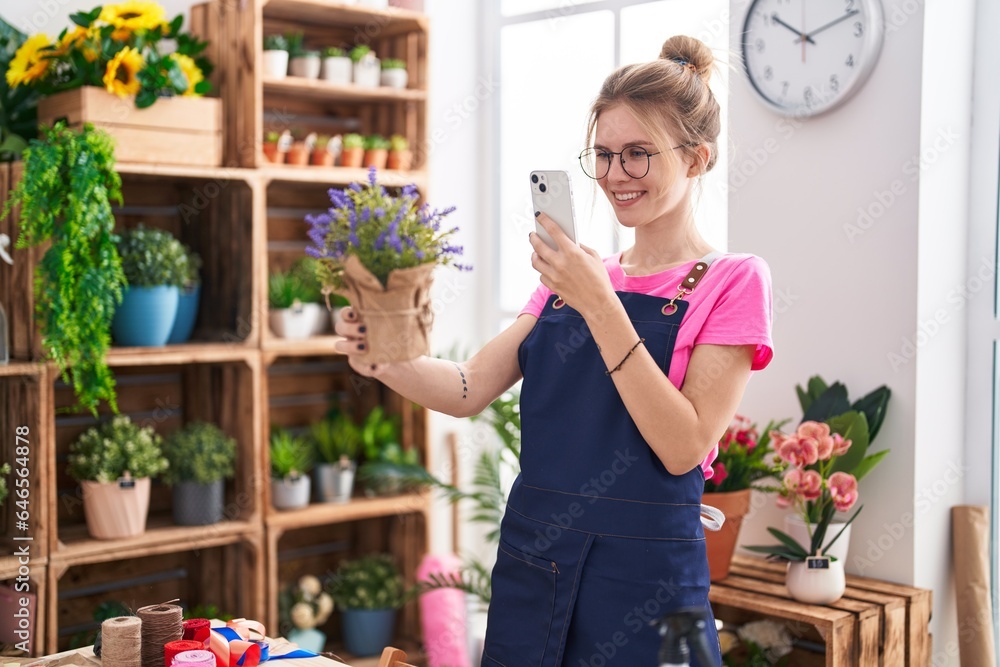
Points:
[(712, 518), (691, 280)]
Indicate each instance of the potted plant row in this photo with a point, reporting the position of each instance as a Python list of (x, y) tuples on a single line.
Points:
[(201, 457), (286, 55), (350, 150), (295, 301)]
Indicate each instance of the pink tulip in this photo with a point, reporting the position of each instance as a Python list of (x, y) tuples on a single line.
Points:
[(843, 490), (812, 429), (811, 485), (797, 451), (840, 445)]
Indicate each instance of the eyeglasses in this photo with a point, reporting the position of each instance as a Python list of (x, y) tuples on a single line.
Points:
[(596, 162)]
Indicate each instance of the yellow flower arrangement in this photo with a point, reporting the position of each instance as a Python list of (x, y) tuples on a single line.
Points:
[(116, 47)]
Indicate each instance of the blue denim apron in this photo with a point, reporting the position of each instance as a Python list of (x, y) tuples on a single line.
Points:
[(598, 539)]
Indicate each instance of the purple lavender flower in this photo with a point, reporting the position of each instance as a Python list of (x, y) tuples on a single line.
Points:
[(353, 239), (355, 186), (314, 252), (371, 175), (366, 214), (410, 191), (380, 241), (419, 254), (338, 198), (379, 213), (396, 244)]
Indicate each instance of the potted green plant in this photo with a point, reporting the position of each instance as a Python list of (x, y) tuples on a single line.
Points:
[(400, 157), (156, 266), (294, 297), (321, 155), (79, 280), (300, 147), (291, 461), (336, 443), (188, 299), (272, 148), (376, 151), (383, 263), (366, 66), (388, 468), (394, 73), (353, 151), (336, 66), (368, 591), (201, 457), (302, 62), (114, 464), (275, 56)]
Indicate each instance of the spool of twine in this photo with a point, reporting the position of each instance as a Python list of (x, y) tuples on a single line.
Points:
[(161, 623), (197, 629), (199, 658), (173, 649), (121, 639)]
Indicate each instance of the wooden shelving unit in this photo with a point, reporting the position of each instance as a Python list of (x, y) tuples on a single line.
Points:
[(244, 219)]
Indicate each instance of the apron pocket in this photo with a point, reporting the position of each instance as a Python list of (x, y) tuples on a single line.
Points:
[(520, 614)]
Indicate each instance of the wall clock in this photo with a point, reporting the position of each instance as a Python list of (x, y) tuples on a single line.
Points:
[(805, 57)]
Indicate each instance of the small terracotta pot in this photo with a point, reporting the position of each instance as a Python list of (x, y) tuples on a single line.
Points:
[(272, 153), (401, 160), (721, 544), (322, 158), (352, 157), (376, 157), (298, 154)]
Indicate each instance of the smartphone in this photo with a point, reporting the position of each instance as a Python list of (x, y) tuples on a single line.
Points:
[(552, 194)]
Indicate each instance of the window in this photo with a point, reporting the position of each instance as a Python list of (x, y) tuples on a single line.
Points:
[(552, 56)]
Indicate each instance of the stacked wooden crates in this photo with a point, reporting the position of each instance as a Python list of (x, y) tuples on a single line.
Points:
[(245, 219)]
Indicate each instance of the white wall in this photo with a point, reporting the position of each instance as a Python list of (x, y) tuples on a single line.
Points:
[(872, 300)]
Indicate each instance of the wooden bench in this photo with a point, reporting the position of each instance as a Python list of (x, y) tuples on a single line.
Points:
[(875, 624)]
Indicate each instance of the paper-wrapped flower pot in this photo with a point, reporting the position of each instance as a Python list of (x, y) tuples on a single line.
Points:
[(397, 317)]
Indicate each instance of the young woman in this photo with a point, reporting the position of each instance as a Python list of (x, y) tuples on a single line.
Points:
[(633, 366)]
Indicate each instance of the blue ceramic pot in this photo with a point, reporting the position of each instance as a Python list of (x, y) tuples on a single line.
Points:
[(367, 631), (187, 312), (145, 316)]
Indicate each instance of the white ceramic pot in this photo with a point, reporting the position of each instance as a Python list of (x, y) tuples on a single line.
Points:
[(276, 64), (796, 528), (394, 78), (297, 322), (336, 70), (290, 494), (334, 482), (321, 320), (367, 73), (305, 66), (816, 585), (113, 511)]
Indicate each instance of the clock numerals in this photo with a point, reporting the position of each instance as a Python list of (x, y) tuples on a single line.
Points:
[(808, 96), (859, 29), (759, 45), (834, 83), (850, 60), (784, 88), (768, 73)]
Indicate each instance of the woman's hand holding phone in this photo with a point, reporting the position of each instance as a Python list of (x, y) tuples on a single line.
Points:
[(575, 272)]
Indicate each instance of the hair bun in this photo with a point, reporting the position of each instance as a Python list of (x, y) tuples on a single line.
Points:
[(690, 53)]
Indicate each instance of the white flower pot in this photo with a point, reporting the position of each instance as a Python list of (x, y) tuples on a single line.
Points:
[(297, 322), (367, 73), (816, 586), (796, 528), (321, 320), (113, 512), (394, 78), (276, 64), (336, 70), (290, 494), (306, 67), (333, 482)]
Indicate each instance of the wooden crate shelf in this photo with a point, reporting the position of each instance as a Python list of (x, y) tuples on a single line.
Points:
[(326, 176), (170, 171), (313, 346), (359, 508), (875, 623), (327, 92), (392, 21), (19, 368), (188, 353)]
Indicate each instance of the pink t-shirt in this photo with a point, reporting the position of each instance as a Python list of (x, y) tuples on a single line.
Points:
[(730, 306)]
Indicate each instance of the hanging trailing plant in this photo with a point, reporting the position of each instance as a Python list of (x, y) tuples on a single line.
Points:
[(65, 198)]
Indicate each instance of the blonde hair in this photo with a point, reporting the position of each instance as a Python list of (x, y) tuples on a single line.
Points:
[(668, 95)]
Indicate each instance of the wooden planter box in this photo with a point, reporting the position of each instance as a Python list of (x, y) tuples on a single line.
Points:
[(176, 130)]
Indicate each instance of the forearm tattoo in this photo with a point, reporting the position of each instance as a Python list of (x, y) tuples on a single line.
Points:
[(465, 385)]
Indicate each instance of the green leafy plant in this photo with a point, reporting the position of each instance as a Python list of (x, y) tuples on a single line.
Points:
[(152, 257), (393, 63), (194, 268), (322, 141), (398, 142), (375, 142), (333, 52), (65, 198), (199, 452), (116, 47), (370, 582), (105, 453), (743, 459), (275, 43), (291, 455), (360, 51), (300, 284), (272, 137), (4, 471), (353, 140), (306, 270), (335, 437), (296, 44), (18, 105)]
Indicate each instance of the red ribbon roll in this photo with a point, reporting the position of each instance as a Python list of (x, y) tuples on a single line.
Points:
[(198, 629), (170, 649)]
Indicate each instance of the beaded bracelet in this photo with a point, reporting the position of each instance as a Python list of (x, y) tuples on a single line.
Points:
[(641, 341)]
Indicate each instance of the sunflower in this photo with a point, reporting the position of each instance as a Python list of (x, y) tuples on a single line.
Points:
[(132, 15), (31, 62), (78, 39), (121, 77), (191, 71)]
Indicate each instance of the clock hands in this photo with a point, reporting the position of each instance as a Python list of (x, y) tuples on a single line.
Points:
[(808, 36), (802, 35)]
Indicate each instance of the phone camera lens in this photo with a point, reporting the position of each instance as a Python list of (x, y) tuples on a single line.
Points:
[(542, 187), (534, 178)]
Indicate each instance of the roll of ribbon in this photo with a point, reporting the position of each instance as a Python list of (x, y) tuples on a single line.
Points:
[(199, 658), (174, 648), (121, 638), (198, 629)]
